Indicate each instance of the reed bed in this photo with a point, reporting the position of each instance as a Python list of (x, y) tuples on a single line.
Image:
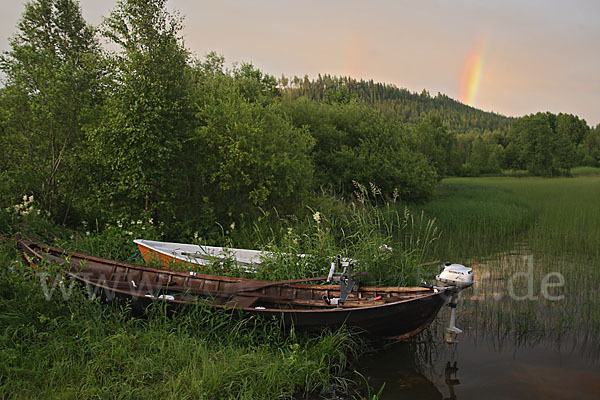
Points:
[(537, 233), (476, 218)]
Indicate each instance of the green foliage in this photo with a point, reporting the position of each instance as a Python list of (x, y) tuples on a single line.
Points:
[(28, 217), (589, 148), (113, 240), (244, 152), (547, 143), (253, 85), (438, 144), (409, 107), (138, 141), (356, 143), (482, 154), (51, 92), (384, 239)]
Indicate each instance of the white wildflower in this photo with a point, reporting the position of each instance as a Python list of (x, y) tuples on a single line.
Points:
[(24, 197), (317, 217), (139, 222), (151, 221), (232, 226), (30, 198), (87, 233), (196, 235)]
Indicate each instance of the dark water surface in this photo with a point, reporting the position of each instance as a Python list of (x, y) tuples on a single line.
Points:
[(521, 346), (480, 367)]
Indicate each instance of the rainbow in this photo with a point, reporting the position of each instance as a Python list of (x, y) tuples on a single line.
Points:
[(470, 82), (352, 54)]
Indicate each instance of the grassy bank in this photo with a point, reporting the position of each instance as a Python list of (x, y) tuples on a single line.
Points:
[(85, 349)]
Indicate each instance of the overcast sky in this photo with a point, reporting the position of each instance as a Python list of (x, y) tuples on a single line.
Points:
[(534, 55)]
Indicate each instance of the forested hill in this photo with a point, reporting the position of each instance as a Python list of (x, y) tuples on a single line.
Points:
[(460, 118)]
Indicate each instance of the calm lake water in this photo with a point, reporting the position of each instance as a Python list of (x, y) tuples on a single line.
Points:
[(530, 331)]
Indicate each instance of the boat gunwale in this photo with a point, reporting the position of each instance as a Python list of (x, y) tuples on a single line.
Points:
[(260, 310), (196, 275)]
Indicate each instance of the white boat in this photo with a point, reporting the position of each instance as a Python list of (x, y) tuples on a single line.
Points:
[(169, 253)]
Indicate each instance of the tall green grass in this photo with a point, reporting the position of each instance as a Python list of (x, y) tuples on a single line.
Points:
[(585, 171), (532, 226), (476, 218), (83, 349), (383, 238)]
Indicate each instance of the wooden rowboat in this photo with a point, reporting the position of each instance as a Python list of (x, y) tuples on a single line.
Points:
[(398, 312)]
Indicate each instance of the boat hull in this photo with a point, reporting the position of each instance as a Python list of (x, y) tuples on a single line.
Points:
[(400, 320)]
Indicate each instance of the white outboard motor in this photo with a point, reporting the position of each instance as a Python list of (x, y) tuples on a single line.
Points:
[(456, 275), (455, 278)]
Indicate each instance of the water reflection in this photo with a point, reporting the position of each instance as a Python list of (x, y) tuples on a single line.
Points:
[(398, 369), (413, 370), (451, 380), (477, 367)]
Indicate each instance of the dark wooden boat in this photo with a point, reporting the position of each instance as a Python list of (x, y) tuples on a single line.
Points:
[(398, 312)]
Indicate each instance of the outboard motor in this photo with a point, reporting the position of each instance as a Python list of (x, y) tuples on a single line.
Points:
[(454, 278)]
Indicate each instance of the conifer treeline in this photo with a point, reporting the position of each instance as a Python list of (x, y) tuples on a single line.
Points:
[(409, 106)]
